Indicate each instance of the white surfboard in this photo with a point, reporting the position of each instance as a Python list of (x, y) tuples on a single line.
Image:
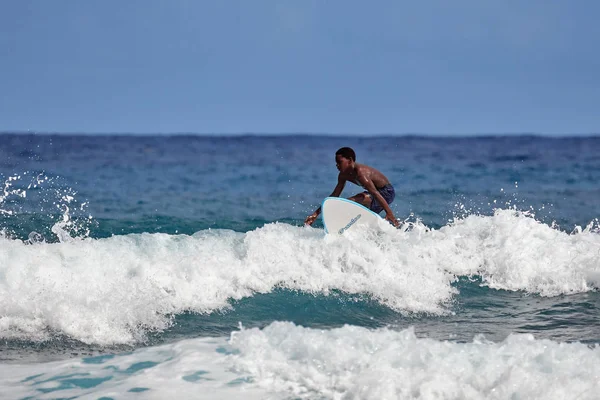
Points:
[(339, 215)]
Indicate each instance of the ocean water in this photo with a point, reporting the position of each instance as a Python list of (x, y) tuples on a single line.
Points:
[(150, 267)]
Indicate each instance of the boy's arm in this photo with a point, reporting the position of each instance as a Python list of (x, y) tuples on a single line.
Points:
[(370, 186), (336, 193)]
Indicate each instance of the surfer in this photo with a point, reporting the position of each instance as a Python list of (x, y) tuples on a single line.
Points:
[(379, 191)]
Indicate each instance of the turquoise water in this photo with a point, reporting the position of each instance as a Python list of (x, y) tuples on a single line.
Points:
[(127, 261)]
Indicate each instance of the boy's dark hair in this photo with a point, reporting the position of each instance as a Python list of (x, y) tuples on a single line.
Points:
[(346, 152)]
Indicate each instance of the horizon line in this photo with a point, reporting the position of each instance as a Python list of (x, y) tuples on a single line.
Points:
[(300, 133)]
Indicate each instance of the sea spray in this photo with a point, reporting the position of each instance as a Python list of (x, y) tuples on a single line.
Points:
[(41, 197)]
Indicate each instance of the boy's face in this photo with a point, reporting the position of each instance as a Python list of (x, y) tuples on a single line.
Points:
[(342, 163)]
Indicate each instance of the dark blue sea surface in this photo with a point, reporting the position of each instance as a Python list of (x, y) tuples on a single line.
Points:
[(110, 244), (189, 183)]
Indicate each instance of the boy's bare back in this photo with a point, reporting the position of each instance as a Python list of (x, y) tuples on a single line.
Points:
[(362, 173)]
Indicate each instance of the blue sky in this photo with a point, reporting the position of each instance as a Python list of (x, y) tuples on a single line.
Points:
[(438, 67)]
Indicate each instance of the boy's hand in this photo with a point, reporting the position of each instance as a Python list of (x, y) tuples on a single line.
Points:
[(310, 219), (392, 219)]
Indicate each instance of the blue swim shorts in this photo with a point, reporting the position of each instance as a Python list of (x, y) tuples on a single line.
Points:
[(387, 192)]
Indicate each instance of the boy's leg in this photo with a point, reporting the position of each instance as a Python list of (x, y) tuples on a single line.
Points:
[(362, 198)]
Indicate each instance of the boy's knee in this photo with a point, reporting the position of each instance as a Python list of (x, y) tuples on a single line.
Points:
[(361, 198)]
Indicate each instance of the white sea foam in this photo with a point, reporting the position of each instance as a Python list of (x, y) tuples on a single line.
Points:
[(114, 290), (513, 251), (356, 363), (288, 361)]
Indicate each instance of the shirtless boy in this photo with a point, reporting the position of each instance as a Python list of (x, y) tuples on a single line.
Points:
[(379, 191)]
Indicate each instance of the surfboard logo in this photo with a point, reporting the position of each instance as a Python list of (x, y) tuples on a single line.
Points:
[(349, 224)]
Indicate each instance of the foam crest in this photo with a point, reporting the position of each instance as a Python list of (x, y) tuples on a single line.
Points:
[(511, 250), (117, 289), (113, 290), (284, 360)]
